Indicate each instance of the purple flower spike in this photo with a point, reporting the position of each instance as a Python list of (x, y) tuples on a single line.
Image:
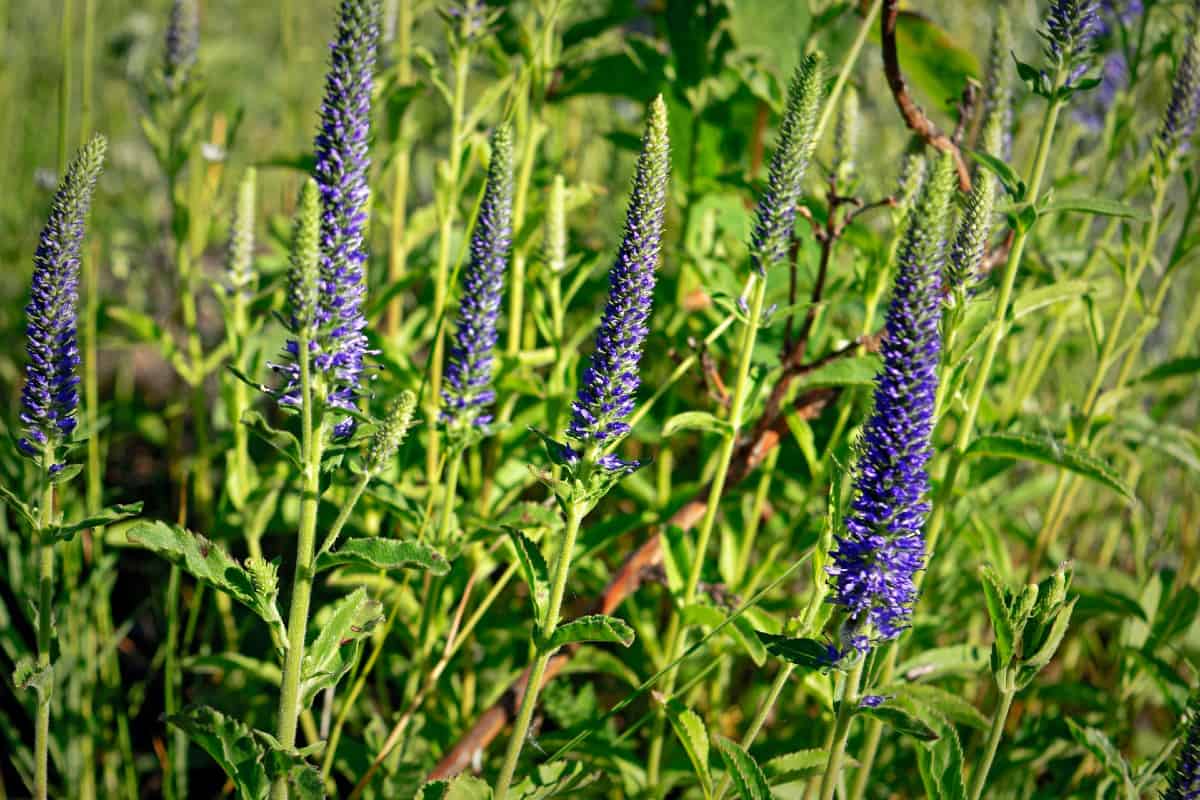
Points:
[(874, 562), (610, 383), (1185, 781), (1071, 29), (1179, 122), (50, 396), (467, 389), (339, 344)]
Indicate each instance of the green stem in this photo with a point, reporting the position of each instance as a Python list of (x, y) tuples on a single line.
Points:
[(397, 251), (302, 581), (562, 568), (839, 84), (677, 634), (995, 733), (760, 719), (453, 468), (45, 634), (343, 516), (173, 777), (841, 732), (447, 206)]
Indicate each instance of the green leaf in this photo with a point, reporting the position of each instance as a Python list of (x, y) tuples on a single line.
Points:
[(693, 735), (695, 421), (1048, 450), (18, 505), (1043, 296), (221, 663), (328, 658), (807, 653), (858, 371), (207, 561), (534, 570), (946, 704), (1012, 183), (897, 715), (106, 516), (1173, 368), (740, 630), (28, 675), (463, 787), (1035, 662), (284, 442), (932, 60), (1099, 745), (799, 764), (591, 628), (385, 554), (965, 659), (1090, 205), (232, 744), (996, 599), (747, 778)]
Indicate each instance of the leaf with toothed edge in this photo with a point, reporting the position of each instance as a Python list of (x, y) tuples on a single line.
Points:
[(339, 635), (743, 770), (384, 554), (591, 628)]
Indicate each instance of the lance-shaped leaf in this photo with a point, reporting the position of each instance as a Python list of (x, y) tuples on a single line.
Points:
[(533, 570), (1048, 450), (799, 764), (463, 787), (897, 715), (208, 562), (339, 637), (807, 653), (591, 628), (384, 554), (692, 735), (106, 516), (232, 744), (743, 770)]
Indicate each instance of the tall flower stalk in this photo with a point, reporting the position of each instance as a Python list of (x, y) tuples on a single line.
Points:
[(875, 561), (770, 241), (327, 284), (467, 393), (605, 399), (1172, 142), (50, 397)]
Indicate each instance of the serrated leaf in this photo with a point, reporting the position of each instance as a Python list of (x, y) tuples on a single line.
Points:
[(463, 787), (1099, 745), (946, 704), (899, 717), (995, 597), (693, 735), (591, 628), (106, 516), (534, 570), (741, 767), (1048, 450), (1035, 662), (333, 652), (807, 653), (1090, 205), (28, 675), (232, 744), (740, 630), (207, 561), (695, 421), (799, 764), (384, 554)]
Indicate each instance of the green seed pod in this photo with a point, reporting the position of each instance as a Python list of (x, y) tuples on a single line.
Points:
[(306, 259), (390, 433)]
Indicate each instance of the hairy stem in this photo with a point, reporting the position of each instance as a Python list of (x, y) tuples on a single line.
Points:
[(841, 732), (562, 568), (995, 734)]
